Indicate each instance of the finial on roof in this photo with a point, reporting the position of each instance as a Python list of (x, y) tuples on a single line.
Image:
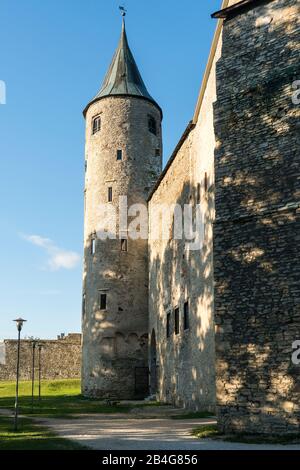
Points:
[(123, 11)]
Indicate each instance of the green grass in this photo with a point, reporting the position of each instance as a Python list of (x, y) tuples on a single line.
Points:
[(195, 415), (60, 398), (206, 431), (32, 437), (211, 431)]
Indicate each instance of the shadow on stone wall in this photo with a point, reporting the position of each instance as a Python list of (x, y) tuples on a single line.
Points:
[(186, 361), (115, 340), (256, 255)]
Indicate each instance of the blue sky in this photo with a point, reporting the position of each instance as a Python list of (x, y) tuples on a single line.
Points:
[(54, 54)]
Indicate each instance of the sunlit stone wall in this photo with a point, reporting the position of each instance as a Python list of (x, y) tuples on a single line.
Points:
[(185, 362), (256, 233)]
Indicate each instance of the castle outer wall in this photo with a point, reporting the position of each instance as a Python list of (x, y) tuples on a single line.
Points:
[(60, 359), (185, 362), (256, 233)]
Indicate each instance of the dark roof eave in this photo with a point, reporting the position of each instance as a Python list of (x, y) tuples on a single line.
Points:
[(237, 8), (187, 131), (119, 95)]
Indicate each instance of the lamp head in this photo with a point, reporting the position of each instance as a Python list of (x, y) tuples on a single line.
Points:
[(19, 322)]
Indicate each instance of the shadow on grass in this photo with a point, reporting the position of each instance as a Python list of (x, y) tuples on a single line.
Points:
[(62, 406), (60, 398), (32, 437)]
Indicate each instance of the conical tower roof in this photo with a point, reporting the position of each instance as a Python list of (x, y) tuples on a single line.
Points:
[(123, 76)]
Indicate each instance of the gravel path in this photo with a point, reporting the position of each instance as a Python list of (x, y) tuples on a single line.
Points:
[(119, 432)]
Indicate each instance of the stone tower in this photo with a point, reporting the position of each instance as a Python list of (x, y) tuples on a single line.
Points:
[(123, 157)]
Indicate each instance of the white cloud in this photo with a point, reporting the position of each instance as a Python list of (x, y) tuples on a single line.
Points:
[(57, 257), (64, 259)]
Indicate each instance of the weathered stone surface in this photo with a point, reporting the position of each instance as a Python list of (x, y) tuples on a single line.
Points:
[(185, 363), (60, 358), (256, 256), (115, 339)]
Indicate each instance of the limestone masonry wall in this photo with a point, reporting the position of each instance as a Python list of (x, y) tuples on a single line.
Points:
[(185, 362), (256, 233), (115, 338), (60, 359)]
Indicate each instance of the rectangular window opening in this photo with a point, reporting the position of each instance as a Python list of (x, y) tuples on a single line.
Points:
[(110, 194), (198, 193), (119, 155), (168, 325), (124, 244), (96, 126), (205, 182), (93, 246), (103, 301), (83, 305), (176, 319), (157, 152), (186, 319)]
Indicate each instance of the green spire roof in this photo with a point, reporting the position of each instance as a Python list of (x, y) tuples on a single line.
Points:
[(123, 76)]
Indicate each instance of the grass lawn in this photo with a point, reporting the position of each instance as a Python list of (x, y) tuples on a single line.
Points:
[(59, 398), (32, 437), (195, 415), (211, 431)]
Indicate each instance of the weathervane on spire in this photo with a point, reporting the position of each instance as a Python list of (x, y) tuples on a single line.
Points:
[(123, 11)]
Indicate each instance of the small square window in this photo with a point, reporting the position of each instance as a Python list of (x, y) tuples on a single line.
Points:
[(168, 325), (119, 155), (124, 244), (109, 194), (176, 321), (186, 319), (103, 301), (93, 246), (157, 152)]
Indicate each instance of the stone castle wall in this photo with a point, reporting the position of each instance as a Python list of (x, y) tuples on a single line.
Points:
[(256, 234), (185, 362), (115, 339), (60, 359)]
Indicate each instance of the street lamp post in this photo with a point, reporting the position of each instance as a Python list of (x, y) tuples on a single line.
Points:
[(19, 322), (32, 373), (40, 372)]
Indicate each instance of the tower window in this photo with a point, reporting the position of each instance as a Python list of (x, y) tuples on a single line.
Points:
[(93, 246), (176, 318), (168, 325), (152, 125), (103, 301), (205, 182), (83, 305), (109, 194), (157, 152), (124, 244), (96, 124), (85, 165), (186, 319), (198, 193), (119, 155)]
